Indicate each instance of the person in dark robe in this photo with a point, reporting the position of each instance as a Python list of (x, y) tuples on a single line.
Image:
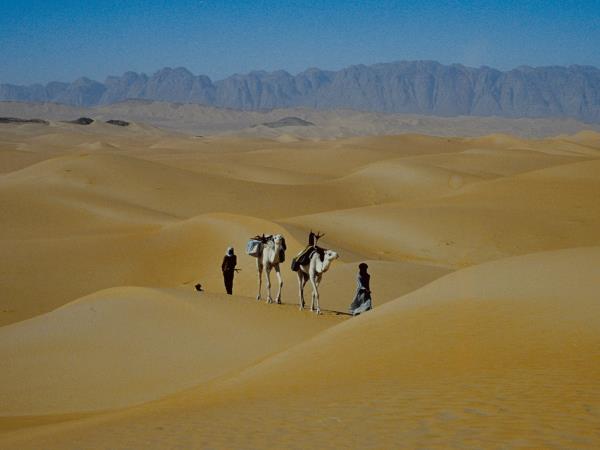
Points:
[(362, 299), (228, 269), (312, 239)]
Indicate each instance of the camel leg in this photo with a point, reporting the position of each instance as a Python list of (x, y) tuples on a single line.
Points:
[(259, 267), (268, 276), (280, 280), (316, 283), (301, 283), (315, 293)]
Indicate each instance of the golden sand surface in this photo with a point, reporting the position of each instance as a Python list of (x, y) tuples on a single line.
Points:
[(484, 254)]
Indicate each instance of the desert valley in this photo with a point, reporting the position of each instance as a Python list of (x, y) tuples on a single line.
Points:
[(482, 238)]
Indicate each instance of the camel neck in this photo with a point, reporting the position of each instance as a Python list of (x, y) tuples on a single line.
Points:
[(275, 248), (324, 265)]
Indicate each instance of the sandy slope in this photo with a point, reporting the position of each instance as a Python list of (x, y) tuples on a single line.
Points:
[(181, 253), (481, 221), (168, 340), (174, 255), (498, 353)]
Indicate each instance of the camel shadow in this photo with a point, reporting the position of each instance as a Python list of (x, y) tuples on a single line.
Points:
[(329, 312), (335, 313)]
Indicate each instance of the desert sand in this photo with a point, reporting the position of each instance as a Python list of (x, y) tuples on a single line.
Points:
[(197, 119), (484, 253)]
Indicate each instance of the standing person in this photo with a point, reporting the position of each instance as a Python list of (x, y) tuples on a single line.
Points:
[(228, 269), (362, 298), (313, 238)]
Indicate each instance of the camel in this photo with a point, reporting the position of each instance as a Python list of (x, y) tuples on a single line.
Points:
[(267, 259), (314, 271)]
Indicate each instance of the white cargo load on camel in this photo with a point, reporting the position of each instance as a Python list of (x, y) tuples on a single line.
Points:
[(253, 247)]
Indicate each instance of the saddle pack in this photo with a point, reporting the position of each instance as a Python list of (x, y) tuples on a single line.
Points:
[(253, 247), (304, 257)]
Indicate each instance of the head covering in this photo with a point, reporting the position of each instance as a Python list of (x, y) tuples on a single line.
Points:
[(229, 251), (363, 266)]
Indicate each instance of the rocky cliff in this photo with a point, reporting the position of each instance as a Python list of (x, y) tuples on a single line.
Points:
[(416, 87)]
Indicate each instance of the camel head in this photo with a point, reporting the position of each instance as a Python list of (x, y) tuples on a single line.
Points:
[(278, 241), (330, 255), (328, 258)]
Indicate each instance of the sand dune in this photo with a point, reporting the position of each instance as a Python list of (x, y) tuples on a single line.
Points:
[(442, 230), (508, 342), (483, 253), (65, 361), (43, 274), (72, 185), (207, 120), (15, 159), (180, 254)]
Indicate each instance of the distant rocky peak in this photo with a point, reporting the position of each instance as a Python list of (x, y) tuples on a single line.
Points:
[(412, 87)]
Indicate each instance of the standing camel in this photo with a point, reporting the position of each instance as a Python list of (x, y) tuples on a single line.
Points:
[(269, 258), (313, 271)]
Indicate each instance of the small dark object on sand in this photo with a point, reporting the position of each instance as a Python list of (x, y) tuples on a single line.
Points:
[(199, 287), (82, 121), (19, 120), (119, 123), (289, 122)]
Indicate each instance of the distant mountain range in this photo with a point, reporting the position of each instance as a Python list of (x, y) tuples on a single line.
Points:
[(414, 87)]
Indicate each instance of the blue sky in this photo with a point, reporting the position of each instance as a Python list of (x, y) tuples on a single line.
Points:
[(41, 41)]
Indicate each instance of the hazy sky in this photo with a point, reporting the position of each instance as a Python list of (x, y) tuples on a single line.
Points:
[(49, 40)]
